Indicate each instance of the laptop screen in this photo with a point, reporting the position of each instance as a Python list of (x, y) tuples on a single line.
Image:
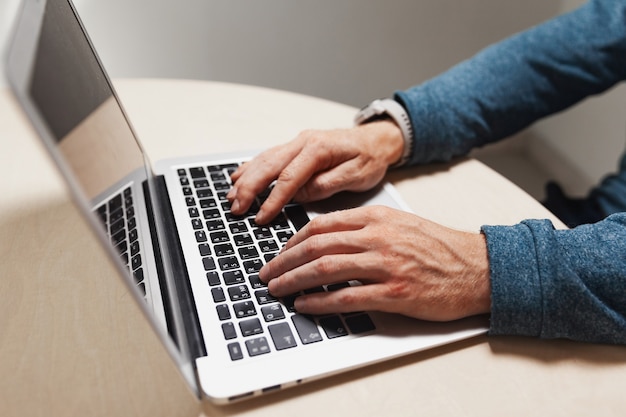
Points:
[(58, 79), (73, 96)]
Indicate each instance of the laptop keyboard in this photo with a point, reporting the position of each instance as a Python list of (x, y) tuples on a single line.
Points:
[(118, 218), (233, 250)]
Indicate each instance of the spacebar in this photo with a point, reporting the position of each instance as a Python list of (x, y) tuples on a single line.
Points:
[(297, 215)]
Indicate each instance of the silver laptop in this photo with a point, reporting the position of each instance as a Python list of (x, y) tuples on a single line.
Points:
[(191, 264)]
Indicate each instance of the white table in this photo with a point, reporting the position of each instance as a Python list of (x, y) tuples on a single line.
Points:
[(71, 343)]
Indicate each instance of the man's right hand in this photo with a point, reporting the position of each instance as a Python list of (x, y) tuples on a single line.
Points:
[(315, 165)]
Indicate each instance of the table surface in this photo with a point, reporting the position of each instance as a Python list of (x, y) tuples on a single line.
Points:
[(72, 343)]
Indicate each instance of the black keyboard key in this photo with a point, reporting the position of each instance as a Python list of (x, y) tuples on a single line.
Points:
[(314, 290), (338, 286), (250, 327), (211, 214), (243, 240), (253, 266), (204, 193), (205, 249), (118, 237), (273, 312), (116, 215), (333, 327), (269, 256), (132, 235), (268, 246), (284, 235), (116, 227), (227, 263), (280, 223), (248, 252), (235, 351), (229, 330), (138, 275), (218, 176), (200, 236), (193, 212), (134, 248), (181, 172), (244, 309), (257, 346), (218, 294), (297, 215), (209, 263), (223, 312), (282, 336), (197, 172), (238, 292), (214, 225), (306, 328), (221, 185), (233, 277), (201, 184), (263, 296), (238, 227), (206, 203), (135, 262), (187, 191), (196, 224), (288, 302), (360, 324), (263, 233), (115, 203), (213, 278), (224, 249), (219, 237), (190, 201), (255, 282), (184, 181)]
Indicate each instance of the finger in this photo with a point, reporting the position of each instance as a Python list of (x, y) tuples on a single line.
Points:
[(348, 176), (294, 175), (345, 300), (313, 248), (255, 176), (329, 269), (338, 221)]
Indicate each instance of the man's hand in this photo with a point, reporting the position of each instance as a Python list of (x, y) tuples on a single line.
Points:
[(407, 265), (316, 165)]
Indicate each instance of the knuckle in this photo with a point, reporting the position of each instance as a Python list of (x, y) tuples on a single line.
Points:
[(325, 266)]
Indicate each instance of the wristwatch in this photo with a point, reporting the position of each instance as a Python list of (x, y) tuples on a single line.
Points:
[(382, 108)]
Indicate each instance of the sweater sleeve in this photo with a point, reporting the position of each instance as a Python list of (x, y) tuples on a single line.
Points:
[(511, 84), (559, 283)]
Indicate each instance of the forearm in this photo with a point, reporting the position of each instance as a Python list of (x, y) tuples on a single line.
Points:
[(508, 86), (559, 283)]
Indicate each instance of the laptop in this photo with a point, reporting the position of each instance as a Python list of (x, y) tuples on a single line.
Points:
[(190, 264)]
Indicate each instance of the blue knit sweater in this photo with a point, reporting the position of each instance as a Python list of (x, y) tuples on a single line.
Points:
[(545, 282)]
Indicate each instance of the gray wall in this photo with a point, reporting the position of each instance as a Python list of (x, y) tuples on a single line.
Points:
[(345, 50)]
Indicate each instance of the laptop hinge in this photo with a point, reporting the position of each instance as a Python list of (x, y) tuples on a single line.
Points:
[(186, 302)]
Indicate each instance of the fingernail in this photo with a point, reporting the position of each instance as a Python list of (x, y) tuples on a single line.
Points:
[(232, 193), (235, 206)]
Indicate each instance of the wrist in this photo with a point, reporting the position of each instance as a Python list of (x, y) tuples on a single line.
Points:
[(389, 109), (385, 137)]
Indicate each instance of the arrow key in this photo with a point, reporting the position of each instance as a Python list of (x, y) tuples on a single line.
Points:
[(282, 336)]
